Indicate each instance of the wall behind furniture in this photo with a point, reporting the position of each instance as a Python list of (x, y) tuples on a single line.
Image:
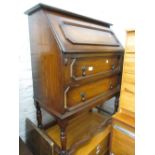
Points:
[(116, 12)]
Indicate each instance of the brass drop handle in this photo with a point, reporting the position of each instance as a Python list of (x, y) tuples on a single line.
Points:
[(83, 96), (83, 70), (113, 67)]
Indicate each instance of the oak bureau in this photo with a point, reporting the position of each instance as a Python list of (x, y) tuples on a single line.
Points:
[(76, 64)]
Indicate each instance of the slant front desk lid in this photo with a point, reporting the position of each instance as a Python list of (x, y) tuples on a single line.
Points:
[(76, 33)]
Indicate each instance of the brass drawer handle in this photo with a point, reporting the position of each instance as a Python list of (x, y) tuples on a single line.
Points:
[(83, 97), (113, 67), (84, 68)]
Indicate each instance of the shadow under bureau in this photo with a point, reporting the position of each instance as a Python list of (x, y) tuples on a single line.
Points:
[(76, 64)]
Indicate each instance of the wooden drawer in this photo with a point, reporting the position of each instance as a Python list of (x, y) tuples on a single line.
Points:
[(123, 141), (90, 67), (129, 63), (81, 94)]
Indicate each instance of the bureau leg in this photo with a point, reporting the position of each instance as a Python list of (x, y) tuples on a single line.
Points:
[(39, 115), (62, 125), (116, 102)]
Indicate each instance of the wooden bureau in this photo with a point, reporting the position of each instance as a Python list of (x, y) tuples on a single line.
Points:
[(123, 131), (76, 64)]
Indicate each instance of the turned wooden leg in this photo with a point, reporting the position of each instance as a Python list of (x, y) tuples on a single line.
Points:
[(62, 125), (116, 102), (39, 115)]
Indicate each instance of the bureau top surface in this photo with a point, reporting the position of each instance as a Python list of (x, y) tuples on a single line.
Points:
[(50, 8), (74, 33)]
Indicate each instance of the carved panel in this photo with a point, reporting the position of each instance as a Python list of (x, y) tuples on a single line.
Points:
[(80, 34)]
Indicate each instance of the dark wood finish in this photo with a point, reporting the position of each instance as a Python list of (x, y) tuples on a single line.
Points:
[(63, 137), (38, 142), (87, 67), (57, 19), (78, 95), (53, 70), (117, 102), (86, 35), (39, 115), (23, 149), (76, 63), (50, 8), (46, 64)]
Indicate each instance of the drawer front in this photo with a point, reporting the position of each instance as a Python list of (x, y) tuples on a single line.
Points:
[(129, 63), (88, 67), (123, 141), (81, 94)]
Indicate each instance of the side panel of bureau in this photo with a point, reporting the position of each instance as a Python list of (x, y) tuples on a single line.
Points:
[(46, 64)]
